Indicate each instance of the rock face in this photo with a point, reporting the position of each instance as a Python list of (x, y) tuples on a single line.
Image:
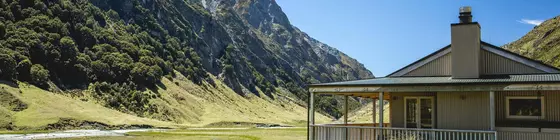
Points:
[(265, 50), (120, 48), (542, 43)]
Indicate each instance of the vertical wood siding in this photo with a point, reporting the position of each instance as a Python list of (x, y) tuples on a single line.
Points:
[(397, 107), (438, 67), (472, 113), (551, 101), (496, 64), (490, 64)]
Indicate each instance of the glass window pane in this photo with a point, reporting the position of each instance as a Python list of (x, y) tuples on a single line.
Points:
[(525, 107), (411, 121), (426, 113)]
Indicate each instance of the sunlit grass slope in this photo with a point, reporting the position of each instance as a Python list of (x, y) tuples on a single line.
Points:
[(364, 114), (46, 108), (185, 103), (203, 106)]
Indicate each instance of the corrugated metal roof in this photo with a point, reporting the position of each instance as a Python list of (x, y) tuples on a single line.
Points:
[(488, 79)]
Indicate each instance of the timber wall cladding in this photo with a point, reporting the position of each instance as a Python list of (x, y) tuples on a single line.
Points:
[(490, 64), (496, 64), (463, 110), (551, 101)]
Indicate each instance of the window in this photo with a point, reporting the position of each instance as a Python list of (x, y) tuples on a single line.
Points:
[(530, 107)]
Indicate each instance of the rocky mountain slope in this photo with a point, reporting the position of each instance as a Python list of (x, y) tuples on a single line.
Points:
[(126, 54), (542, 43)]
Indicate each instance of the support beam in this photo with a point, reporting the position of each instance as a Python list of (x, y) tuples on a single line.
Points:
[(390, 110), (311, 119), (380, 104), (492, 111), (345, 110), (374, 112), (346, 116)]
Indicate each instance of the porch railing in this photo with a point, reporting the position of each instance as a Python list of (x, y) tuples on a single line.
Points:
[(333, 132)]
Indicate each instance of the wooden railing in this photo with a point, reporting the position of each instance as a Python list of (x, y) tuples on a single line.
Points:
[(528, 136), (334, 132), (362, 124)]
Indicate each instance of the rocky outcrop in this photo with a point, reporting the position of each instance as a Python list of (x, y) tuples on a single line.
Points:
[(249, 44)]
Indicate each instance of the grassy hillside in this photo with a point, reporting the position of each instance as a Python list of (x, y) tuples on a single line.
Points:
[(5, 117), (364, 114), (542, 43), (48, 108), (185, 102)]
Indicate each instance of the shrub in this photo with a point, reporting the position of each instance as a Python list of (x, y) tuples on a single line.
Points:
[(39, 75)]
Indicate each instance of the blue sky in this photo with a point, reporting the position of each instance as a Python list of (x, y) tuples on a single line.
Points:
[(386, 35)]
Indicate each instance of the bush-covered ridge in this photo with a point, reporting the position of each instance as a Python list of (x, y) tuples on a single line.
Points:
[(542, 43), (120, 49), (74, 43)]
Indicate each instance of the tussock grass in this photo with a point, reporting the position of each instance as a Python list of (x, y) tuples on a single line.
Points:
[(186, 105), (364, 114), (46, 108), (5, 118)]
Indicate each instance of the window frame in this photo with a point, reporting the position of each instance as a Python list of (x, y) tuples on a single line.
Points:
[(543, 111)]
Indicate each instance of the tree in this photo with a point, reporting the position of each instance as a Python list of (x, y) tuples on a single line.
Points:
[(68, 48), (7, 67), (23, 70), (39, 75), (2, 30)]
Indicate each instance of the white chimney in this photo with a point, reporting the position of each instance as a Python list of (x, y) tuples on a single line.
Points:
[(465, 46)]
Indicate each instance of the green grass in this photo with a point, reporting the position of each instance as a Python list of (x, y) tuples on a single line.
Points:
[(46, 108), (188, 104), (25, 132), (364, 114), (222, 134), (5, 117)]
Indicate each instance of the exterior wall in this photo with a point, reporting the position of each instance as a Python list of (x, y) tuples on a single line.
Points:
[(470, 113), (496, 64), (438, 67), (551, 100), (490, 64), (397, 107), (451, 111)]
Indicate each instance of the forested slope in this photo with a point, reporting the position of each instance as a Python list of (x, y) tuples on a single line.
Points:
[(117, 53)]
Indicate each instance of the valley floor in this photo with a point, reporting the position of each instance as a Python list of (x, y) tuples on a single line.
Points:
[(296, 133)]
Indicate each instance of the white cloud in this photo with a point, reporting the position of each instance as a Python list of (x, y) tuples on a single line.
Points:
[(531, 21)]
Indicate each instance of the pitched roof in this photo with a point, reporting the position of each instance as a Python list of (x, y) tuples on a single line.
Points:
[(484, 45), (552, 74), (485, 79)]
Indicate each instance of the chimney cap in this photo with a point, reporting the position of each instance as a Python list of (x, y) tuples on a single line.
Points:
[(465, 9)]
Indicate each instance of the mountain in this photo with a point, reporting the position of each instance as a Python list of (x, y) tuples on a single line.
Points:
[(180, 61), (542, 43)]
